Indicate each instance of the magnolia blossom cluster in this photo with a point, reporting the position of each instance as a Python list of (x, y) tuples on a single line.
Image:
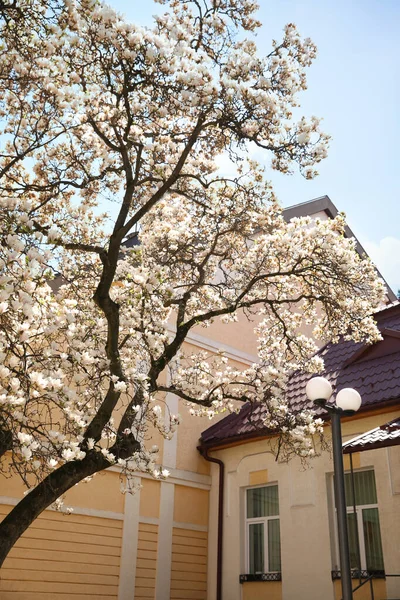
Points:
[(283, 276), (67, 113), (95, 308)]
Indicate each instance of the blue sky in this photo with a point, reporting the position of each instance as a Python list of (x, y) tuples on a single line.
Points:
[(354, 85)]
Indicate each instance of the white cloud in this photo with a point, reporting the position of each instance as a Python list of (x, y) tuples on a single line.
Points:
[(386, 256)]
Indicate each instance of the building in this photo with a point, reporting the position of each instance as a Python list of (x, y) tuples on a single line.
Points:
[(162, 542), (279, 532)]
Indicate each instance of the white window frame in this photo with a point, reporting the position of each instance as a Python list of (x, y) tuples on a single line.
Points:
[(360, 528), (255, 521)]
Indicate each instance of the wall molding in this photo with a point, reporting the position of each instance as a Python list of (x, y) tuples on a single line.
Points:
[(177, 524), (149, 520), (192, 526), (214, 346), (127, 572), (177, 477), (164, 552)]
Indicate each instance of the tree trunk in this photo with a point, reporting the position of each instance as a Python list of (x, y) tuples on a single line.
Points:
[(42, 496)]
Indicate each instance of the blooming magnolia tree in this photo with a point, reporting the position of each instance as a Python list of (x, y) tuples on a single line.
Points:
[(94, 310)]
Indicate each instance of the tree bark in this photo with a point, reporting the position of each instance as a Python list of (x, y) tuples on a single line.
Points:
[(42, 496), (5, 441)]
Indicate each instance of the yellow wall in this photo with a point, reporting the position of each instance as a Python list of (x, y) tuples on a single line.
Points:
[(191, 505), (362, 423), (71, 557), (189, 564), (150, 498), (354, 460), (364, 593), (238, 335), (103, 492), (187, 456), (258, 477), (146, 564), (261, 590), (85, 495)]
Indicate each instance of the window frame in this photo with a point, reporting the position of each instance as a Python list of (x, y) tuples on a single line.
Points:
[(259, 520)]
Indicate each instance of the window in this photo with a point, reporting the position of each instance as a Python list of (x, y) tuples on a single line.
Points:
[(262, 530), (363, 525)]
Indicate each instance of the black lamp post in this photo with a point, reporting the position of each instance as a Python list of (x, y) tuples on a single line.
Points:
[(348, 401)]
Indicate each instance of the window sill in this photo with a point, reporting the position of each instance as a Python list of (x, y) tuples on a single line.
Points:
[(363, 574), (260, 577)]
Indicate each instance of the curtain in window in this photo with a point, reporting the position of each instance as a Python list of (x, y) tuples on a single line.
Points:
[(372, 537), (274, 545), (256, 548), (353, 540), (262, 502), (364, 486)]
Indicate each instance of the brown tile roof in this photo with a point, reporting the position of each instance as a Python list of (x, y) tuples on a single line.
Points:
[(380, 437), (374, 371)]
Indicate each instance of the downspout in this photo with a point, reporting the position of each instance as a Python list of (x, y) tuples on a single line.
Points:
[(204, 452)]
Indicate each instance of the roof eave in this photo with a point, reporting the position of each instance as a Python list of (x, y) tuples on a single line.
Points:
[(253, 436)]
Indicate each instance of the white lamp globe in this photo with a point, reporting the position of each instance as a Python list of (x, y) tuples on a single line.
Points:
[(318, 388), (348, 399)]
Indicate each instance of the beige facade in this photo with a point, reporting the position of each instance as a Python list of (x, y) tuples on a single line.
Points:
[(161, 543), (308, 542)]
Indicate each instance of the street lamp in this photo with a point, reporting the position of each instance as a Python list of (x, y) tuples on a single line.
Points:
[(348, 401)]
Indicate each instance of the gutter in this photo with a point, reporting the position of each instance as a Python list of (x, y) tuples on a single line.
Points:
[(204, 453)]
